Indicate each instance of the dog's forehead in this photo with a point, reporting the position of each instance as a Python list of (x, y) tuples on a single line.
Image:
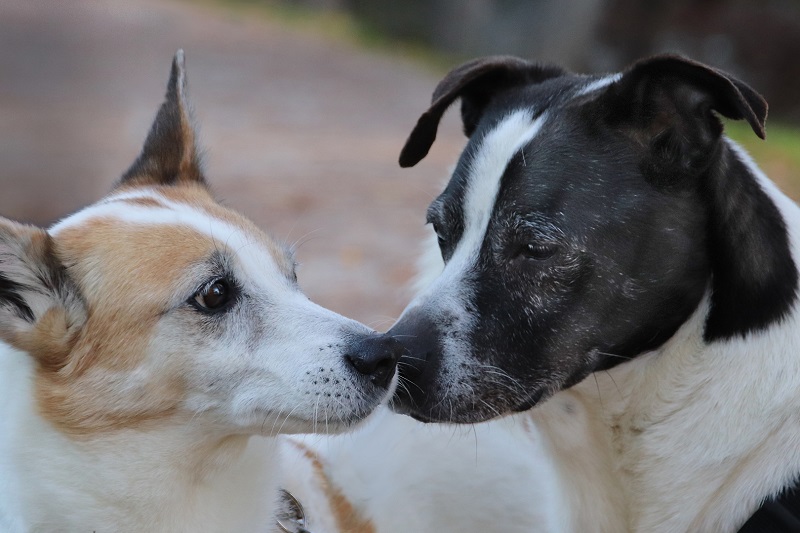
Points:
[(154, 238), (564, 154), (552, 97)]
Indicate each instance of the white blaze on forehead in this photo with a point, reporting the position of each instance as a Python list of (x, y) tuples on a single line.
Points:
[(249, 251), (447, 295), (485, 173), (599, 84)]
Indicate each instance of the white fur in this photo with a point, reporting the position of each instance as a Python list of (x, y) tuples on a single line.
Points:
[(599, 84), (50, 483)]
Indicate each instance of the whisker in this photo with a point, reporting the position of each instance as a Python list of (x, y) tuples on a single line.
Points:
[(299, 242), (614, 382), (615, 355), (599, 397), (414, 358), (286, 419)]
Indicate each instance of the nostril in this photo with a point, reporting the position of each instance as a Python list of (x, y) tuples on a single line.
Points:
[(383, 372), (376, 357)]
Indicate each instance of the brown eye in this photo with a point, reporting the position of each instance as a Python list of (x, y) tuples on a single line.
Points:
[(439, 234), (539, 252), (214, 296)]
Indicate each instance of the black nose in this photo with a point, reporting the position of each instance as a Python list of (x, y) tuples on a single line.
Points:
[(376, 356), (421, 337)]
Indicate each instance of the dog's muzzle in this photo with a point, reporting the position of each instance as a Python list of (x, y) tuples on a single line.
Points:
[(422, 340)]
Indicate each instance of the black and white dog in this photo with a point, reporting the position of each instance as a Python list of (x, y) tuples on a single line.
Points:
[(595, 221), (597, 227)]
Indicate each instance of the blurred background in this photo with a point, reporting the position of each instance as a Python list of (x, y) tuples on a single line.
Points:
[(303, 105)]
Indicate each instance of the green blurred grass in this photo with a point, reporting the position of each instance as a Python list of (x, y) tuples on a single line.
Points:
[(778, 155), (337, 25)]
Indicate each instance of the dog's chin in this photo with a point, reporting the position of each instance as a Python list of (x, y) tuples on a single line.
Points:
[(332, 424), (466, 412)]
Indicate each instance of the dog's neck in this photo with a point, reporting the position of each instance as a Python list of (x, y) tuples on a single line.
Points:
[(703, 431), (159, 479)]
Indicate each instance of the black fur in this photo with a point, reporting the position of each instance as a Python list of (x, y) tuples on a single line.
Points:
[(10, 296), (754, 276)]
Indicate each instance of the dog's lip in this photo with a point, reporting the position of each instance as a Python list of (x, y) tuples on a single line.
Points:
[(530, 402), (416, 414)]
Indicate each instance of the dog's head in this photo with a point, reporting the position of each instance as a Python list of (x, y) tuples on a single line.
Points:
[(159, 305), (583, 224)]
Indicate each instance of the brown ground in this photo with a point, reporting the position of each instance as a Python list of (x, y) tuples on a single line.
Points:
[(302, 131)]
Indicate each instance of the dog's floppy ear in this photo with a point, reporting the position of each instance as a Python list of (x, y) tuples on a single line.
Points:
[(475, 82), (40, 308), (169, 156), (670, 102)]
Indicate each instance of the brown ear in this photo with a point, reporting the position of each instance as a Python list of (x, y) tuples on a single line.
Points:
[(475, 82), (670, 102), (40, 308), (169, 156)]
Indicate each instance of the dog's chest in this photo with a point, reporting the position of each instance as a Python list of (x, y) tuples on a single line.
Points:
[(708, 431)]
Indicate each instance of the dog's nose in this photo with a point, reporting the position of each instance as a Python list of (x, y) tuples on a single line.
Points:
[(421, 337), (376, 356)]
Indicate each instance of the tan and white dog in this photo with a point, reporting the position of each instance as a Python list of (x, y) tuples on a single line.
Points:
[(147, 339)]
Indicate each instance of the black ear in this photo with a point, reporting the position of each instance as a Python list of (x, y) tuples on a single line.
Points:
[(169, 155), (670, 105), (475, 83), (670, 102), (40, 308)]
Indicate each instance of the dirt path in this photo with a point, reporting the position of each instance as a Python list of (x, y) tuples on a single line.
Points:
[(302, 132)]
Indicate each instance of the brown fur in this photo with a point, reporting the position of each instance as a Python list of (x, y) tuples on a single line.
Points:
[(347, 517), (129, 287)]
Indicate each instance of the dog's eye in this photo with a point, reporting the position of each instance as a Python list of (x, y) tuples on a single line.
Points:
[(439, 234), (539, 252), (214, 296)]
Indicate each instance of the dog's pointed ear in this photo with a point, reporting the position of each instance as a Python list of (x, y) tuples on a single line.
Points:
[(41, 310), (671, 103), (475, 82), (169, 156)]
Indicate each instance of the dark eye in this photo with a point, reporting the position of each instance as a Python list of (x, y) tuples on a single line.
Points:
[(214, 296), (438, 231), (439, 235), (538, 252)]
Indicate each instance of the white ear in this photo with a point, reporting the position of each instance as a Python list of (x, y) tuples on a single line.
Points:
[(40, 309)]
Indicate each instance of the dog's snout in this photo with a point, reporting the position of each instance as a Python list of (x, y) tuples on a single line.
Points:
[(376, 357), (420, 336), (418, 365)]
